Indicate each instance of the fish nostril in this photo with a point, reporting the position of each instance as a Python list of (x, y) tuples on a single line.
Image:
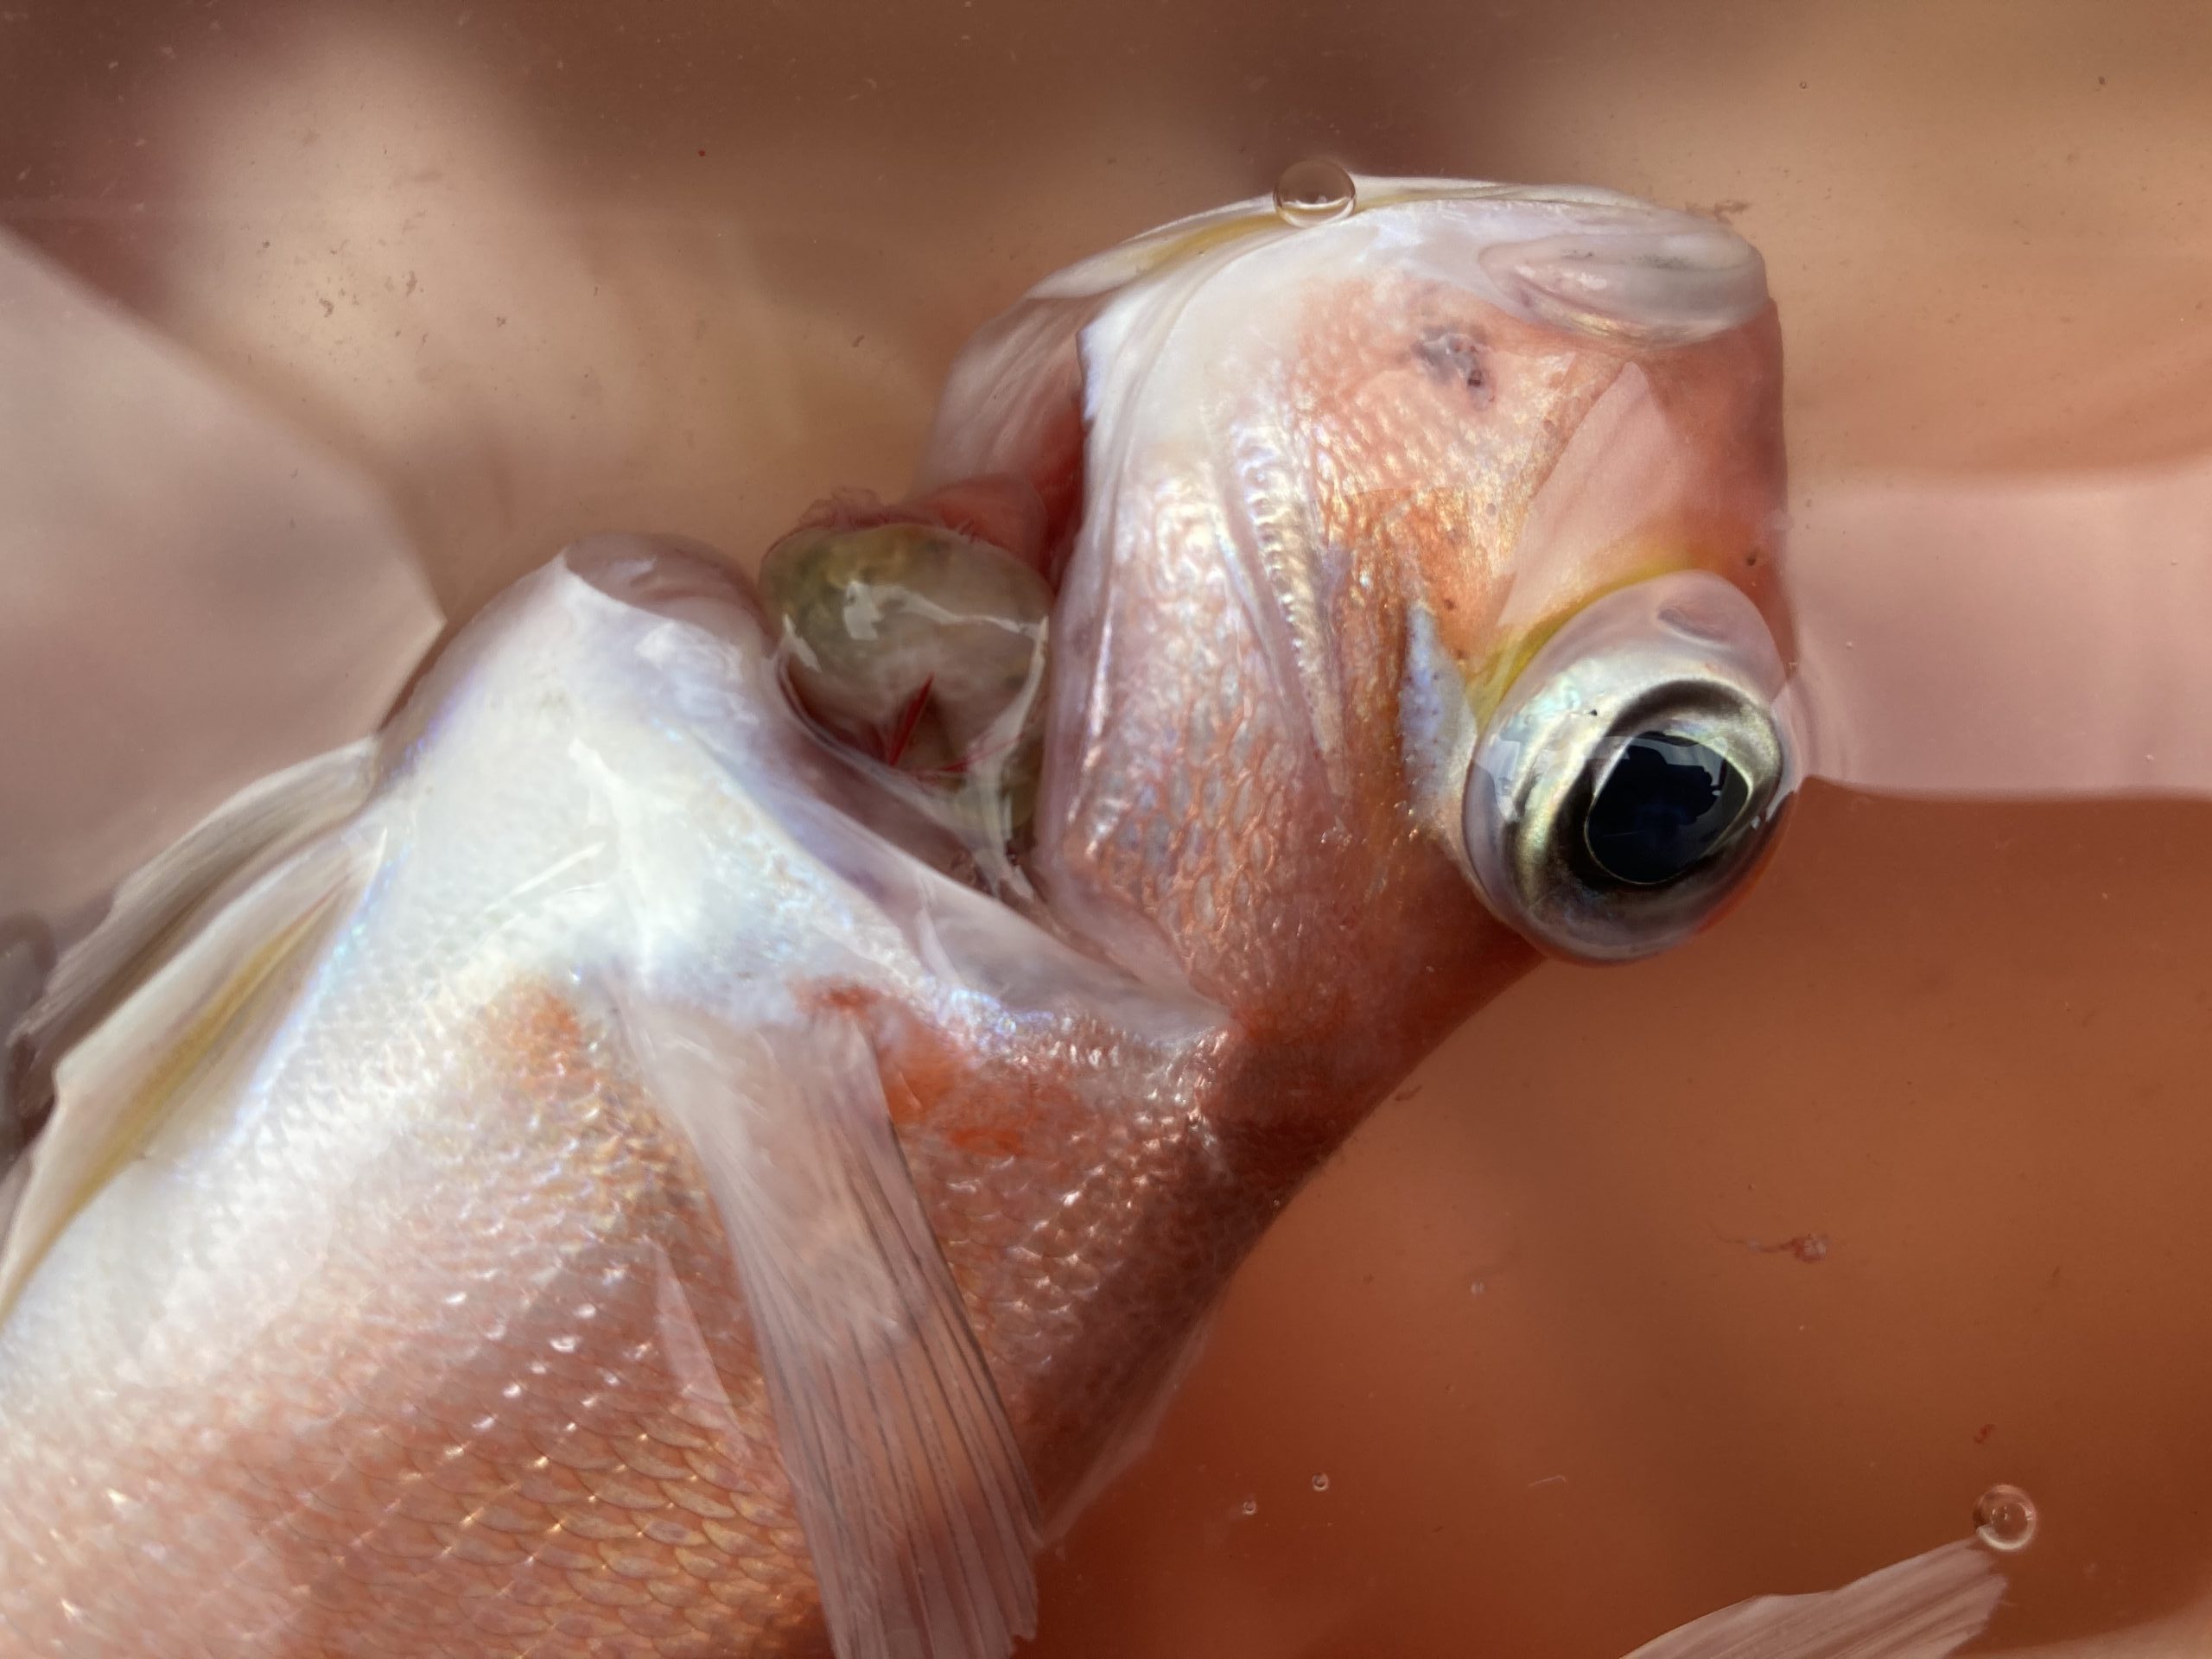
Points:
[(1455, 357)]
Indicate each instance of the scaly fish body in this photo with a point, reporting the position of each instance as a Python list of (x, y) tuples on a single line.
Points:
[(435, 1340), (433, 1243)]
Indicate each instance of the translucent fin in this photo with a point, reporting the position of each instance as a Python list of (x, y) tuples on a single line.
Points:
[(26, 959), (188, 1033), (1133, 1436), (13, 1178), (1925, 1608), (157, 906), (917, 1508)]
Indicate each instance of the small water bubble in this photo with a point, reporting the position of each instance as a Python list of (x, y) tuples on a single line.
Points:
[(1320, 1482), (1313, 192), (2006, 1519), (1250, 1506), (1477, 1289)]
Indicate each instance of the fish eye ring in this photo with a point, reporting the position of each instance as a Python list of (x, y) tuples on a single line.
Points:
[(1636, 772)]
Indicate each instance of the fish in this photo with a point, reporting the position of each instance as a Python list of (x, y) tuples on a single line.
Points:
[(592, 1169)]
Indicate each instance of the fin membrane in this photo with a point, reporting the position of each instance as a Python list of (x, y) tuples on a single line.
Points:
[(917, 1508), (1927, 1607), (26, 959)]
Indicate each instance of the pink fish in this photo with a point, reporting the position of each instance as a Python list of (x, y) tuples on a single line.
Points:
[(595, 1170)]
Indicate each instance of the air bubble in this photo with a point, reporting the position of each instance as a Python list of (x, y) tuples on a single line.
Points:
[(1320, 1482), (1313, 192), (2006, 1519), (1250, 1506)]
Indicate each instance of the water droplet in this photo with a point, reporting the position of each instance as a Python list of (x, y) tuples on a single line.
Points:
[(1320, 1482), (1250, 1506), (2006, 1519), (1313, 192), (1477, 1289)]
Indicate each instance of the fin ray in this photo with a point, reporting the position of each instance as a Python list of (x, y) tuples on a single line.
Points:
[(1927, 1607), (915, 1501)]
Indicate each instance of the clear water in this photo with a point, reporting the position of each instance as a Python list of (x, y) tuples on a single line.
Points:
[(1782, 1251)]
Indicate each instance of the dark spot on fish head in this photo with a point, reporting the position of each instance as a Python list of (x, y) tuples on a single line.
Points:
[(1454, 355)]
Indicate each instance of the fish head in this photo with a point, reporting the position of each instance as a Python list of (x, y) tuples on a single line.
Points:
[(1417, 608)]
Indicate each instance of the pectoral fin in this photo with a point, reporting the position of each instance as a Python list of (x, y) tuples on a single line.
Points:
[(188, 1034), (1927, 1607), (917, 1508)]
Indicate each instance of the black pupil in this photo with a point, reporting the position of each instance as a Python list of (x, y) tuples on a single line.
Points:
[(1666, 803)]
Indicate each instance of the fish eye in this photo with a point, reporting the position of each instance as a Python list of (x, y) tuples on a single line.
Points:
[(1665, 804), (1635, 774)]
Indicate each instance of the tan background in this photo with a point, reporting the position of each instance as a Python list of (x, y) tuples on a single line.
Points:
[(476, 277)]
